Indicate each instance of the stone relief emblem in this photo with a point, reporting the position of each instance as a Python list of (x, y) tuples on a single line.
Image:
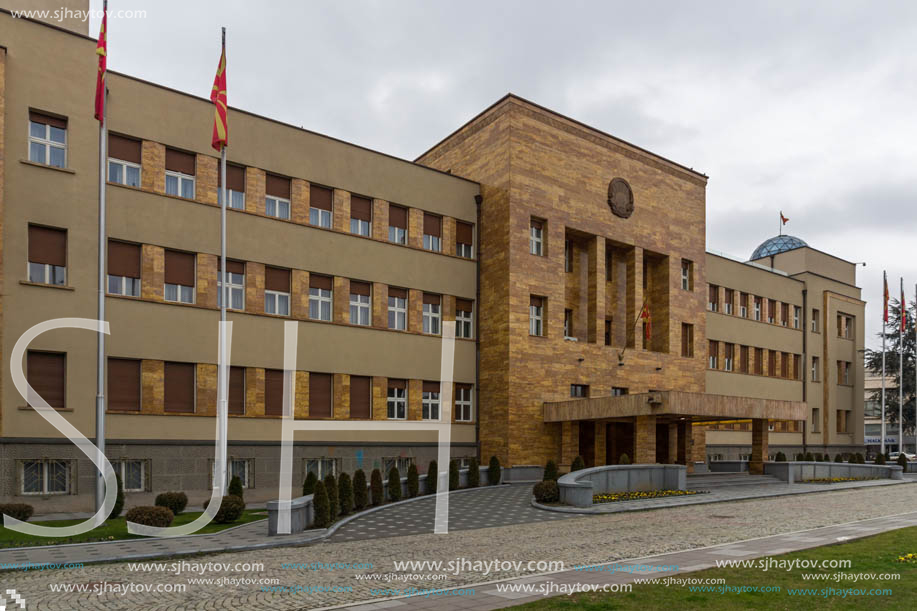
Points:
[(620, 198)]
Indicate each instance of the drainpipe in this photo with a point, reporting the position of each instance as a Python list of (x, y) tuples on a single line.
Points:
[(805, 363), (478, 199)]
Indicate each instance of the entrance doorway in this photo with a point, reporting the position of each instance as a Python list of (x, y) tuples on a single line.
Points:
[(619, 439), (587, 442)]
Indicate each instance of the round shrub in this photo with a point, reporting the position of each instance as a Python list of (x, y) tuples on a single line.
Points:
[(176, 501), (150, 516), (624, 460), (432, 477), (345, 494), (809, 457), (546, 491), (578, 464), (474, 473), (781, 457), (493, 471), (818, 457), (334, 504), (550, 471), (394, 484), (800, 456), (880, 459), (320, 509), (839, 458), (413, 481), (118, 507), (235, 487), (861, 460), (308, 486), (231, 508), (20, 511), (902, 461), (359, 490), (375, 487), (453, 475)]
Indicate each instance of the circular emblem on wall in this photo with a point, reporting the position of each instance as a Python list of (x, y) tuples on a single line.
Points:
[(620, 198)]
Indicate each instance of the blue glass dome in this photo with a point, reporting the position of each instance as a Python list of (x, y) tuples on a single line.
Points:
[(776, 245)]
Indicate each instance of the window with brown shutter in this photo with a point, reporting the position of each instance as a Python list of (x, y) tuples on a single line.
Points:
[(463, 305), (124, 384), (397, 217), (432, 225), (361, 208), (687, 340), (320, 197), (537, 302), (235, 178), (431, 299), (743, 359), (123, 259), (179, 388), (277, 279), (125, 149), (397, 383), (430, 386), (46, 373), (464, 238), (360, 288), (277, 186), (360, 397), (759, 361), (772, 363), (319, 395), (179, 161), (321, 282), (232, 267), (180, 268), (236, 390), (397, 293), (47, 140), (44, 119), (273, 392), (47, 245)]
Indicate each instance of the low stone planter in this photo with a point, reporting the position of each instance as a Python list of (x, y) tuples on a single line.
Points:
[(577, 488), (728, 466), (798, 471)]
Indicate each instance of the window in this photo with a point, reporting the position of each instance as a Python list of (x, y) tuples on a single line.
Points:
[(322, 467), (713, 354), (397, 309), (397, 400), (536, 315), (771, 425), (320, 297), (536, 237), (568, 324), (568, 256), (617, 391), (843, 420), (361, 389), (432, 313), (743, 359), (429, 405), (729, 356), (464, 239), (816, 420), (273, 392), (403, 463), (45, 477), (797, 367), (397, 224), (235, 187), (797, 317), (759, 305), (241, 468), (743, 305), (759, 361), (124, 385), (179, 174), (432, 232), (236, 390), (123, 269), (815, 369), (771, 310), (179, 387), (845, 326), (687, 340), (608, 322), (277, 291), (463, 403), (360, 303), (179, 277), (361, 215), (609, 265), (785, 365), (123, 160), (132, 474), (320, 395), (235, 284), (687, 275), (843, 373), (277, 197), (46, 373), (320, 205), (729, 300), (713, 299), (815, 321), (47, 255), (464, 320), (785, 314), (47, 140), (578, 391)]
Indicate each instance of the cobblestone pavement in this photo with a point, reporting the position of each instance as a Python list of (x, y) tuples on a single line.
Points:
[(578, 540)]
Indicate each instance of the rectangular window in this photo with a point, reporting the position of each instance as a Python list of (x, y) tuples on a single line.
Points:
[(608, 322), (771, 310), (320, 395), (46, 373), (785, 314), (320, 206), (816, 420), (361, 215), (432, 313), (578, 391), (179, 388), (843, 373), (133, 474), (797, 367), (123, 385), (743, 359), (464, 403), (568, 256), (45, 477), (687, 340), (397, 403), (845, 326), (123, 160), (464, 318), (402, 462), (815, 375), (617, 391), (277, 291), (277, 196), (785, 365), (759, 361), (47, 255), (47, 140), (464, 239), (815, 316), (397, 309), (361, 397), (180, 171), (236, 390), (687, 275), (743, 305), (241, 468), (797, 317), (759, 306), (235, 284), (235, 187), (432, 232), (568, 324), (429, 405), (322, 467), (536, 237), (729, 356), (123, 269), (713, 355), (320, 288), (360, 300), (397, 224), (536, 315), (179, 276), (729, 300), (771, 363), (713, 299), (273, 392)]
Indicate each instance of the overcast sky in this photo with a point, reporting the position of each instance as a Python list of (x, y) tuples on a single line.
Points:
[(804, 107)]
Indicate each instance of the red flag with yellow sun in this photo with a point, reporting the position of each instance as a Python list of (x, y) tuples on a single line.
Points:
[(102, 52), (218, 97)]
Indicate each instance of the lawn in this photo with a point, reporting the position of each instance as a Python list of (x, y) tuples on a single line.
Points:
[(115, 529), (874, 555)]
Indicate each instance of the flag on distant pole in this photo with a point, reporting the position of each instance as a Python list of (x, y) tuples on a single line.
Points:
[(218, 97), (102, 52), (885, 297), (783, 221), (903, 309), (100, 112), (884, 328), (220, 141), (647, 322), (901, 371)]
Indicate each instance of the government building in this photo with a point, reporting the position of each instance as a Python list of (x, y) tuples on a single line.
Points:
[(590, 317)]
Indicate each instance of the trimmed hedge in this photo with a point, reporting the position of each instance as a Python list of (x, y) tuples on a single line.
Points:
[(432, 477), (308, 486), (839, 458), (176, 501), (578, 464), (624, 460), (413, 481), (809, 457), (150, 516), (453, 475), (546, 491), (376, 487), (345, 494), (394, 484), (861, 460), (231, 508), (20, 511), (880, 459), (118, 507), (359, 490), (235, 487), (331, 489), (550, 471), (781, 457), (474, 473), (902, 461), (493, 471), (320, 509)]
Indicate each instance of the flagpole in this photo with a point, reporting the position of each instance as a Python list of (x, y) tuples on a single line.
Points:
[(901, 372), (884, 325), (223, 404), (100, 360)]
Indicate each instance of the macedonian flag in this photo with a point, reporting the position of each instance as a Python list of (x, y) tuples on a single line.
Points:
[(647, 321), (885, 297), (218, 97), (102, 51), (903, 312)]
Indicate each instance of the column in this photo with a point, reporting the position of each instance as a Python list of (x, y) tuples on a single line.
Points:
[(206, 179), (672, 456), (685, 443), (699, 443), (596, 320), (600, 443), (758, 445), (569, 444), (299, 201), (254, 190), (644, 440), (153, 166)]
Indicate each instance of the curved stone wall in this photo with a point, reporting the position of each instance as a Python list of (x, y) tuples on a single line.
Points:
[(578, 487)]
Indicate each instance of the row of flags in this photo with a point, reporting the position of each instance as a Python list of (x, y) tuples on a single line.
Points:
[(902, 329), (903, 324)]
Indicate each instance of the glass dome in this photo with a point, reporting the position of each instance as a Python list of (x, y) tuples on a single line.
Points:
[(777, 244)]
